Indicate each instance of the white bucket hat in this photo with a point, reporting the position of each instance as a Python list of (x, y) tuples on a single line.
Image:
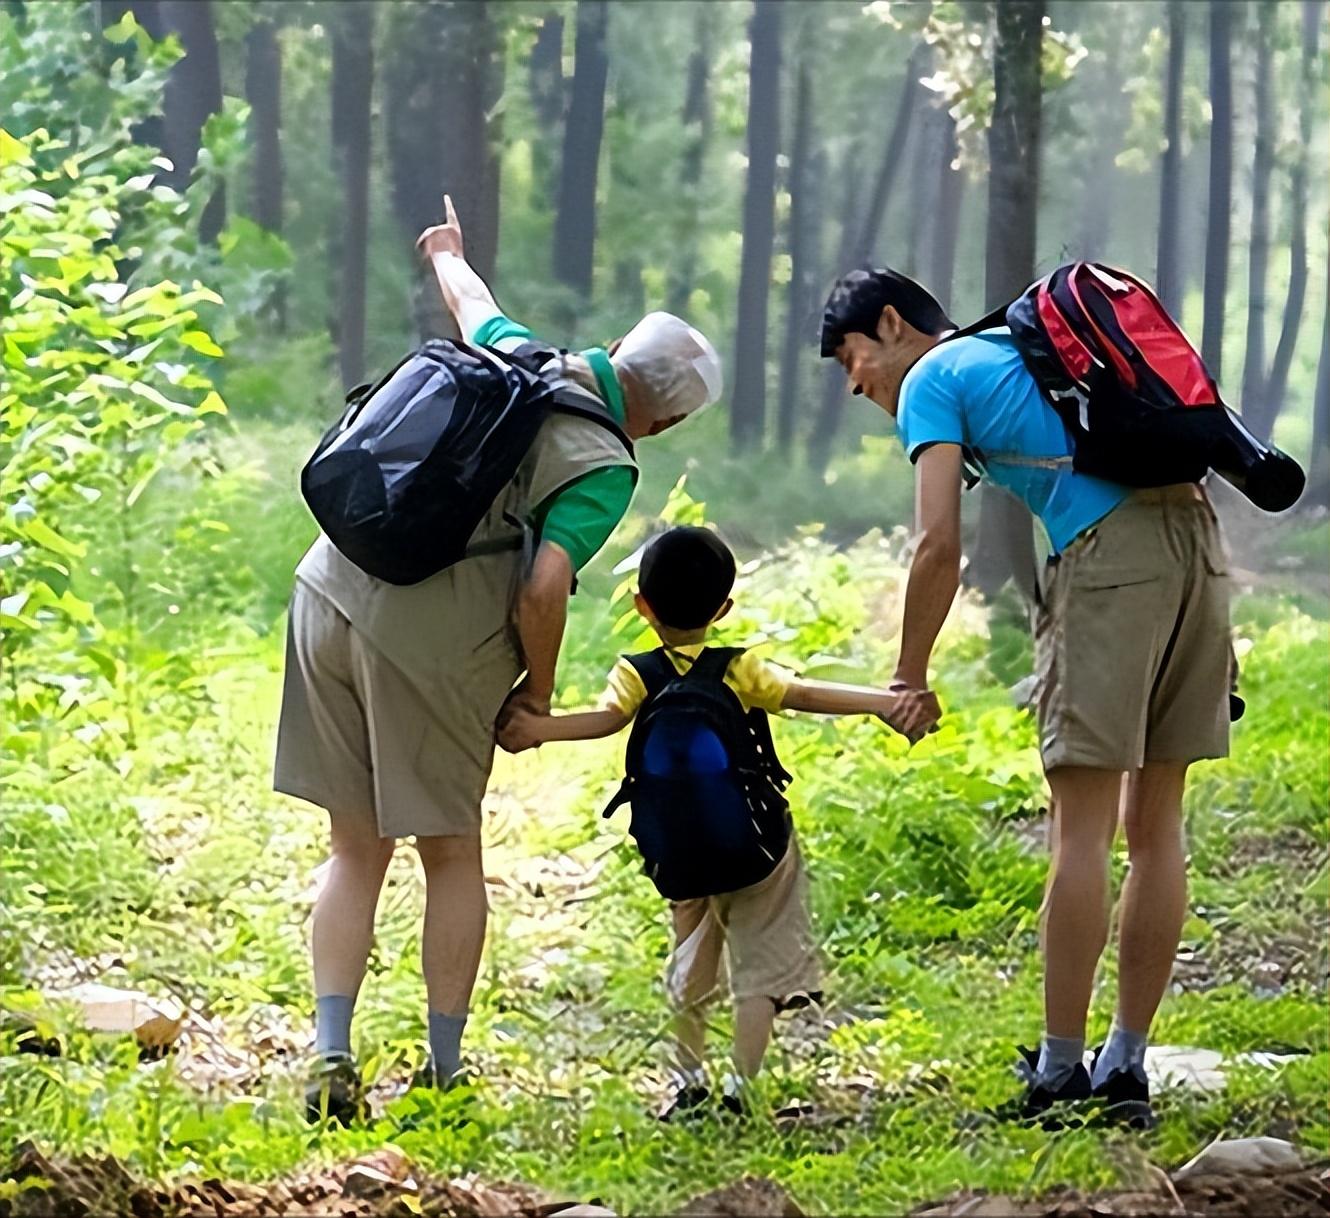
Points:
[(675, 365)]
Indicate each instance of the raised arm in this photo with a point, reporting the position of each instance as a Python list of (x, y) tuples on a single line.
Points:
[(464, 292)]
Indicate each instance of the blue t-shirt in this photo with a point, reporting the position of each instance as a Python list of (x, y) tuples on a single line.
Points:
[(977, 391)]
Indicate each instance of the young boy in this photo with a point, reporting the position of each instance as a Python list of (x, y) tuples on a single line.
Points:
[(684, 586)]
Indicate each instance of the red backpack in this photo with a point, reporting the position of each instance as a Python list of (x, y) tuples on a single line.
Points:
[(1139, 402)]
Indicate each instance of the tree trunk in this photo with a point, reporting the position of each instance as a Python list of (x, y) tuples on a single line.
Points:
[(1263, 163), (1168, 261), (549, 96), (804, 229), (575, 223), (1221, 185), (1276, 384), (1097, 207), (148, 132), (1318, 480), (748, 403), (947, 217), (1005, 548), (193, 95), (831, 408), (445, 82), (352, 89), (263, 91), (926, 150), (894, 157), (546, 79), (469, 130), (697, 126)]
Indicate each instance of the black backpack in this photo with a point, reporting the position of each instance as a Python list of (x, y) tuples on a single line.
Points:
[(709, 813), (402, 480), (1139, 402)]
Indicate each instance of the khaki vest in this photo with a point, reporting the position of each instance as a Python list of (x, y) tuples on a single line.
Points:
[(436, 629)]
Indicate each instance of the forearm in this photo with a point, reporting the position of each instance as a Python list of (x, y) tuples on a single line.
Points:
[(929, 592), (580, 725), (827, 698), (464, 292), (542, 612)]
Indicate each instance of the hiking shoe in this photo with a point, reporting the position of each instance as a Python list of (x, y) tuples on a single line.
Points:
[(334, 1091), (1044, 1106), (687, 1103), (1125, 1099), (428, 1077)]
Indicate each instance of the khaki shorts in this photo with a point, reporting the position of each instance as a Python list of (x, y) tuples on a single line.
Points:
[(1132, 641), (765, 932), (358, 736)]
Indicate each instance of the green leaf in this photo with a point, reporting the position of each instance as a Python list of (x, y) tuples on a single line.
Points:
[(13, 151), (48, 538), (198, 340)]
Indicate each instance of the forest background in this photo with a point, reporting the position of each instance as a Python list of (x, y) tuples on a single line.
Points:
[(206, 219)]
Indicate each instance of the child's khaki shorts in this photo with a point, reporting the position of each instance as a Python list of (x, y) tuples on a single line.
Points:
[(764, 933)]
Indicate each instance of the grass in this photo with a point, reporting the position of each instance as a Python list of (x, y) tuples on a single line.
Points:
[(174, 867)]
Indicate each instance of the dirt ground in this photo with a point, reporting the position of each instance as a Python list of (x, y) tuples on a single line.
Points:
[(384, 1185)]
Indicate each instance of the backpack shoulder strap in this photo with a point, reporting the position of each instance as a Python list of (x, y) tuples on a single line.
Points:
[(714, 663), (998, 317), (655, 669), (569, 398)]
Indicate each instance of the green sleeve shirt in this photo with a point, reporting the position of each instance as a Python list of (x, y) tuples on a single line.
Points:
[(580, 517)]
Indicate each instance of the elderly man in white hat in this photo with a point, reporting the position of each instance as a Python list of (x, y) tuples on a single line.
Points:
[(392, 693)]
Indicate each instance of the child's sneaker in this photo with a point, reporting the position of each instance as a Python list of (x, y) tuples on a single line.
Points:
[(334, 1091), (1041, 1105), (1125, 1097), (688, 1102)]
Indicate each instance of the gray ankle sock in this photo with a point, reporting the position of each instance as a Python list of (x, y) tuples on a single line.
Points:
[(445, 1043), (1058, 1058), (1122, 1051), (332, 1024)]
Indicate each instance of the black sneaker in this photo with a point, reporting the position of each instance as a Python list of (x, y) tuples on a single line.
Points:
[(334, 1091), (1042, 1106), (687, 1103), (1125, 1099), (427, 1078)]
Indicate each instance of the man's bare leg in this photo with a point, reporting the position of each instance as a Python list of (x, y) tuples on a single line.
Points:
[(1075, 913)]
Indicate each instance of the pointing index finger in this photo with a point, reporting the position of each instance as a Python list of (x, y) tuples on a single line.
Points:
[(449, 215)]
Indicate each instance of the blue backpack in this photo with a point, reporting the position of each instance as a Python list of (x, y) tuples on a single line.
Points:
[(709, 814)]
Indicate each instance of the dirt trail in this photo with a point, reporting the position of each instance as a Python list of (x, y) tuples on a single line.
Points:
[(385, 1185)]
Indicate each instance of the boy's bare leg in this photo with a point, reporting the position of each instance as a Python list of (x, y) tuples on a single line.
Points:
[(753, 1021), (696, 987)]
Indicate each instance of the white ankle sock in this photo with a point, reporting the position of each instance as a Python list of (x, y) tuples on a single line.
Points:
[(1058, 1058), (1122, 1051)]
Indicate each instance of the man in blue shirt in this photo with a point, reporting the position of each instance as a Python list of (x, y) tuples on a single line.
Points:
[(1132, 655)]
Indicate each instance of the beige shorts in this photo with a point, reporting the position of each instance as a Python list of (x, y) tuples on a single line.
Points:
[(1132, 638), (764, 931), (358, 736)]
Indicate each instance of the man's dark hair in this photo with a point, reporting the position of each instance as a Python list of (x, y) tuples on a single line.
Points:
[(856, 303), (685, 576)]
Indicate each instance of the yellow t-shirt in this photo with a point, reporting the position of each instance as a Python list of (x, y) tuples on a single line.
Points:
[(758, 682)]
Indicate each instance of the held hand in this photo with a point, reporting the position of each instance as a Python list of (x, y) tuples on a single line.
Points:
[(524, 699), (445, 238), (518, 731), (916, 713)]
